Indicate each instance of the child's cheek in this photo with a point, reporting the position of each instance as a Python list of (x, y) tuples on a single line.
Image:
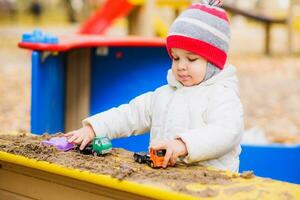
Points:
[(174, 72)]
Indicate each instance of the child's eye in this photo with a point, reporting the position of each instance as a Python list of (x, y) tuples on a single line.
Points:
[(176, 59), (192, 59)]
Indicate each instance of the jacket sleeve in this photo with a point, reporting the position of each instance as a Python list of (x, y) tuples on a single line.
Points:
[(222, 132), (128, 119)]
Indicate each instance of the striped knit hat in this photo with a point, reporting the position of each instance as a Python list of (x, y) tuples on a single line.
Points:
[(203, 29)]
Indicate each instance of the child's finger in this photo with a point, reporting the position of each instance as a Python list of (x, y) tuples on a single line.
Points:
[(72, 138), (167, 157), (78, 140), (173, 160), (85, 141), (69, 134)]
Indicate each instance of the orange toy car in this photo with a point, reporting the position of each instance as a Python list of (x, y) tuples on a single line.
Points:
[(154, 160)]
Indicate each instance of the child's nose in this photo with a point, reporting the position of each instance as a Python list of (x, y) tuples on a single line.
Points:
[(182, 65)]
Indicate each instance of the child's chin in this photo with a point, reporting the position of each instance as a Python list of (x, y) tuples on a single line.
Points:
[(187, 84)]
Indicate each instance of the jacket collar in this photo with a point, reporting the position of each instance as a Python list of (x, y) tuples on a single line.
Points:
[(227, 76)]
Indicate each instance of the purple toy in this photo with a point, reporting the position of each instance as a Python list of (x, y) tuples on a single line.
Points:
[(61, 143)]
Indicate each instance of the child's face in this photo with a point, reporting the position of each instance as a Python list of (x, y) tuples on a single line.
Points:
[(187, 67)]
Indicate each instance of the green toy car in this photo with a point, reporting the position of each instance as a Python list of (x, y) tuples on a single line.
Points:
[(99, 146)]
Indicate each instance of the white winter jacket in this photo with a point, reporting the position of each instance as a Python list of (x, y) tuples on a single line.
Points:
[(208, 117)]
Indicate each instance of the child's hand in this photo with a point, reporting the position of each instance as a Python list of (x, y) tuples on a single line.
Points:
[(175, 148), (81, 136)]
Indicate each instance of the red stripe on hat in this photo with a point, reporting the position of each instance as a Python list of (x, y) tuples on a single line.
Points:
[(212, 11), (203, 49)]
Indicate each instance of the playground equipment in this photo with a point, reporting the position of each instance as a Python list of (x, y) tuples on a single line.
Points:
[(105, 15), (84, 75), (44, 178), (267, 21), (141, 12), (274, 160), (100, 21), (290, 21)]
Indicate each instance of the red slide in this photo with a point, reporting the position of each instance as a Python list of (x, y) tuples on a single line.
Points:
[(105, 15)]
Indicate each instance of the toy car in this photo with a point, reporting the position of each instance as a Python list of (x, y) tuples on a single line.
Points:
[(141, 157), (154, 160), (99, 146)]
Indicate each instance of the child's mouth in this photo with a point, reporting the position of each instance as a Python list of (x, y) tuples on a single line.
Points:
[(184, 77)]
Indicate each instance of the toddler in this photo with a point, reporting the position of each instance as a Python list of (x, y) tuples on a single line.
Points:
[(197, 116)]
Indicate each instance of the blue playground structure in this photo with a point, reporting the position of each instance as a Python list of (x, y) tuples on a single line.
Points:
[(274, 161), (83, 75)]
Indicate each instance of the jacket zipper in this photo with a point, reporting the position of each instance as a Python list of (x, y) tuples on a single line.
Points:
[(167, 112)]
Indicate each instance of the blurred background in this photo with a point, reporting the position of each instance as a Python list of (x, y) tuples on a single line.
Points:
[(265, 48)]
